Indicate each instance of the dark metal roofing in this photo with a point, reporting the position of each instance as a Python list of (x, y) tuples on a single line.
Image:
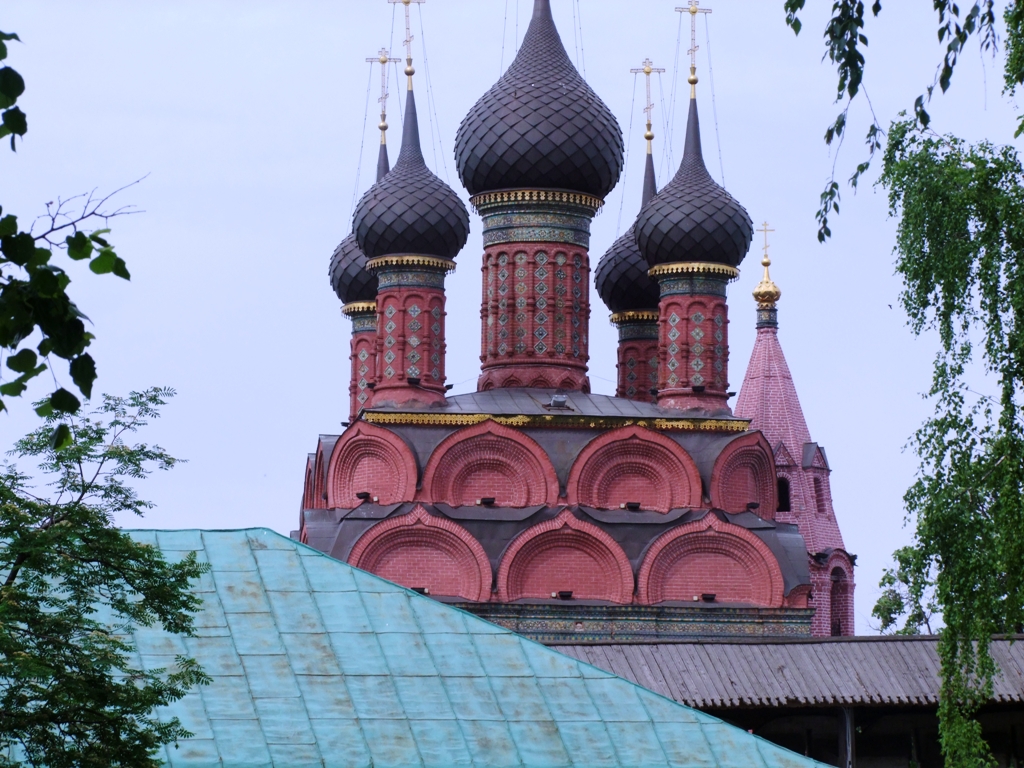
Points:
[(856, 671), (621, 276), (411, 211), (537, 402), (693, 218), (540, 126), (350, 278)]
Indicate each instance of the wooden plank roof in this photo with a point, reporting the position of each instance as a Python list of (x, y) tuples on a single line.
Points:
[(856, 671)]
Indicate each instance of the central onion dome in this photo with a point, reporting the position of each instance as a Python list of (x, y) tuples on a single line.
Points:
[(540, 126), (621, 276), (411, 211), (693, 219)]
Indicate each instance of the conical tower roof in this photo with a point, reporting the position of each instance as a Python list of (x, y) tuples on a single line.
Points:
[(621, 276), (411, 211), (540, 126), (693, 219)]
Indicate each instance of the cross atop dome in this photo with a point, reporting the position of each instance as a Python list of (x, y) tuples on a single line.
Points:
[(383, 58), (647, 70), (693, 9), (409, 71)]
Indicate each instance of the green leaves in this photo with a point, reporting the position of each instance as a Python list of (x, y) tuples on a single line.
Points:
[(75, 584), (11, 87)]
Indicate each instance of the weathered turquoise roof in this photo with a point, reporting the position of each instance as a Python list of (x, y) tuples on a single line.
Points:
[(316, 663)]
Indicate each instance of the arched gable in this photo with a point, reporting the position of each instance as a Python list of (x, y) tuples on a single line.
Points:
[(307, 486), (490, 460), (633, 464), (710, 556), (565, 554), (370, 459), (745, 473), (420, 550)]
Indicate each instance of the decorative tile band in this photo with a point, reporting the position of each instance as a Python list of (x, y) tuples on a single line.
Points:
[(563, 422), (631, 331), (363, 323), (409, 278), (692, 285), (768, 318)]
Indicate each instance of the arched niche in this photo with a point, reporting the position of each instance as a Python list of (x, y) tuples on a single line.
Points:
[(633, 464), (490, 460), (710, 557), (422, 551), (744, 474), (370, 459), (565, 555)]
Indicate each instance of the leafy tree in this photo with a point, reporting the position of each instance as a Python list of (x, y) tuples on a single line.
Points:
[(35, 308), (73, 585), (960, 252)]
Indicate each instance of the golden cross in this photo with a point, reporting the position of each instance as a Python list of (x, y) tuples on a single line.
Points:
[(383, 59), (408, 31), (765, 230), (693, 9), (648, 69)]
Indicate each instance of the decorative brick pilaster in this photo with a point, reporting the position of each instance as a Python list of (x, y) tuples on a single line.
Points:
[(638, 355), (410, 330), (536, 285), (693, 336), (364, 353)]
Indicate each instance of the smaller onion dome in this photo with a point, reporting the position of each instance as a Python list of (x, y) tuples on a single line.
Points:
[(411, 211), (621, 276), (767, 293), (540, 126), (693, 219), (350, 278)]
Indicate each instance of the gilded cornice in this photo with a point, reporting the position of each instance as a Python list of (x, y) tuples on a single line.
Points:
[(636, 316), (694, 267), (411, 260), (555, 421), (359, 308), (511, 196)]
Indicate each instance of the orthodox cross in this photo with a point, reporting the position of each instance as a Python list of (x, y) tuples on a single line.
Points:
[(647, 70), (383, 59), (693, 9), (765, 230), (409, 71)]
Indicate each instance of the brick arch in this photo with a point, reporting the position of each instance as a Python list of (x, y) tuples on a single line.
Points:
[(307, 488), (370, 459), (422, 550), (745, 472), (634, 464), (565, 554), (709, 556), (489, 459)]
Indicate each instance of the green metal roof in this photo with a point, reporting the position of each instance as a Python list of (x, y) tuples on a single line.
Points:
[(316, 663)]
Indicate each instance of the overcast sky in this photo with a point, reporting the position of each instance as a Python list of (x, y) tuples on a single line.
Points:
[(250, 118)]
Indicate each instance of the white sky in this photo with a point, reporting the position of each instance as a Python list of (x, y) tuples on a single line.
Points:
[(248, 118)]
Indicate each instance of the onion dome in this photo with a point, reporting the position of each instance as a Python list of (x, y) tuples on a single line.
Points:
[(767, 293), (350, 278), (540, 126), (621, 275), (411, 211), (693, 219)]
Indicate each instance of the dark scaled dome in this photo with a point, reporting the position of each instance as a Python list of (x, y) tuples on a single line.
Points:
[(693, 219), (411, 211), (621, 276), (350, 278), (540, 126)]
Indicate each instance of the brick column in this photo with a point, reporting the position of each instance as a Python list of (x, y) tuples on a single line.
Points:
[(364, 353), (535, 314), (638, 355), (693, 335), (410, 330)]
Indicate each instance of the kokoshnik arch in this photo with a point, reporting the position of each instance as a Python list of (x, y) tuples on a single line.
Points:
[(533, 502)]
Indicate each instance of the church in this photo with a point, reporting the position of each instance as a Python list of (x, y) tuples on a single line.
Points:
[(674, 509)]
